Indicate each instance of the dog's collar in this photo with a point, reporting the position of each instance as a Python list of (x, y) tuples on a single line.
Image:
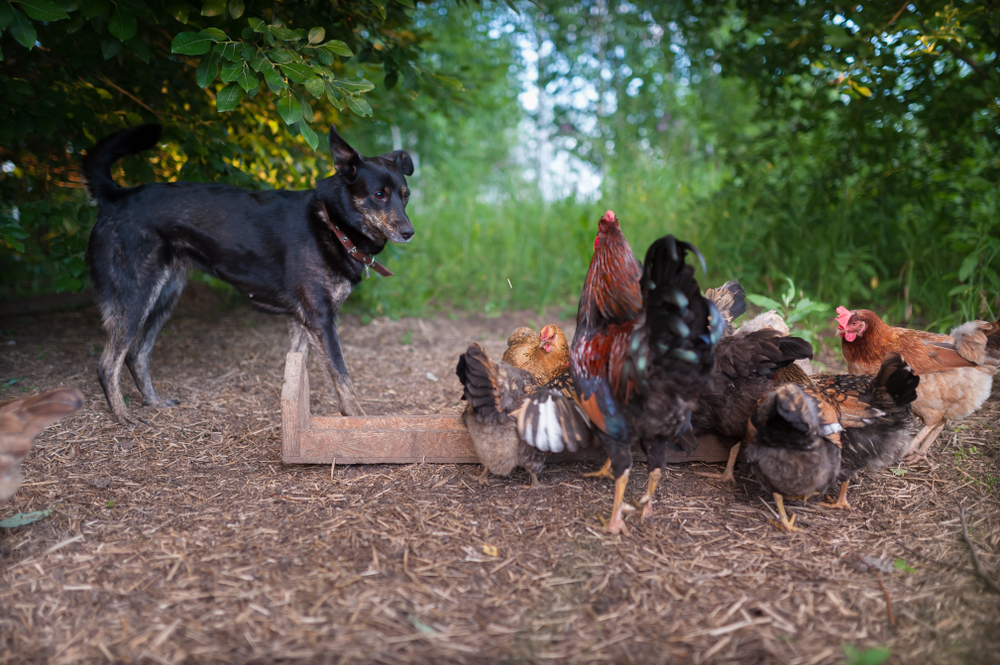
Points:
[(364, 259)]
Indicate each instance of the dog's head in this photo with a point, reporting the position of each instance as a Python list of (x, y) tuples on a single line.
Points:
[(376, 189)]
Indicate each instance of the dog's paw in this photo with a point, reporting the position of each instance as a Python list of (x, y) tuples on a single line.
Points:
[(161, 403)]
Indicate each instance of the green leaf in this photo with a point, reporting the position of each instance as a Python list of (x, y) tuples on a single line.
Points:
[(43, 10), (139, 47), (297, 72), (259, 61), (248, 81), (195, 43), (231, 71), (23, 31), (228, 98), (110, 48), (258, 25), (230, 51), (275, 83), (364, 85), (122, 24), (380, 4), (360, 106), (899, 564), (179, 11), (316, 87), (280, 56), (334, 96), (968, 266), (289, 108), (764, 301), (236, 8), (208, 69), (875, 656), (338, 47), (407, 3), (24, 518), (6, 15), (214, 8), (316, 35), (284, 33), (308, 134)]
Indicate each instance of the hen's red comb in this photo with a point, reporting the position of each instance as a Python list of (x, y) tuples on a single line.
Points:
[(843, 316)]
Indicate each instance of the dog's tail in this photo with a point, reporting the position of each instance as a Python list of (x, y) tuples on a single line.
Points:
[(98, 160)]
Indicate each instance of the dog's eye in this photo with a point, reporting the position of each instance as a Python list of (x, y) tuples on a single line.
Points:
[(406, 196), (380, 195)]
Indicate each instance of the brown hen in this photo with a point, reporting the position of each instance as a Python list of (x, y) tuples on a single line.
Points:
[(956, 371)]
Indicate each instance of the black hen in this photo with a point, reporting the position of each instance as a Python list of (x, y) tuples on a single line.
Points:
[(745, 370)]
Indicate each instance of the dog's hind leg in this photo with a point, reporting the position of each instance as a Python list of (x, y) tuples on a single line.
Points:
[(121, 334), (137, 359)]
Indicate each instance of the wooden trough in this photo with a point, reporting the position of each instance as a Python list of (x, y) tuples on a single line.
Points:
[(307, 439)]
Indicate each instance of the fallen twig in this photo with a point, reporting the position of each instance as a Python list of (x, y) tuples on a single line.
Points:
[(972, 549), (888, 600)]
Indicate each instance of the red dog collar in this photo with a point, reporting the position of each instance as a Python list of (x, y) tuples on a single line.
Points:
[(366, 261)]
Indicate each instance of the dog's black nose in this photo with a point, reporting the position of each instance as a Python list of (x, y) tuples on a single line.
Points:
[(407, 234)]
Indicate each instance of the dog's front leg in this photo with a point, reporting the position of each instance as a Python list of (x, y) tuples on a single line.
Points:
[(349, 405)]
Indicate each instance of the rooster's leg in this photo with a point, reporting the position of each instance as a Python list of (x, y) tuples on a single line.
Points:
[(928, 440), (534, 480), (785, 524), (617, 524), (647, 500), (605, 471), (841, 499), (727, 475)]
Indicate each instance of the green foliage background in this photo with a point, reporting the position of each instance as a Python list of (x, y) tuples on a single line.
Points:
[(851, 149)]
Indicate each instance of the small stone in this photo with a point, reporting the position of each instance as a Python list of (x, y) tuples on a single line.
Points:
[(431, 377)]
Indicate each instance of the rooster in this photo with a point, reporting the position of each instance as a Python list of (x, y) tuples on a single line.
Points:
[(21, 420), (643, 351), (956, 371), (814, 431), (517, 416)]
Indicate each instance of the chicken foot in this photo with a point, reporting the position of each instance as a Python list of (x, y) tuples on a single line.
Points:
[(921, 443), (617, 523), (727, 475), (841, 499), (786, 523), (605, 471), (647, 499), (484, 476)]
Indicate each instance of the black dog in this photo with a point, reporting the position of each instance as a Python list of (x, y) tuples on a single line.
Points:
[(290, 252)]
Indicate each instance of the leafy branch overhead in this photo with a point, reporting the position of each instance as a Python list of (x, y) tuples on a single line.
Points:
[(242, 44)]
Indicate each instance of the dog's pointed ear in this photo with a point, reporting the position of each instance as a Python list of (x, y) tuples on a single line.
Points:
[(402, 161), (345, 158)]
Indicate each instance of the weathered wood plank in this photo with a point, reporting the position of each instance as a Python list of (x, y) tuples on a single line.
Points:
[(294, 404), (388, 422), (439, 439)]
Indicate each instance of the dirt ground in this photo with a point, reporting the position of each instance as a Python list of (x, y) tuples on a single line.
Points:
[(188, 541)]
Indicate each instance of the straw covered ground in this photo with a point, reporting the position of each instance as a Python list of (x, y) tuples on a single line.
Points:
[(187, 540)]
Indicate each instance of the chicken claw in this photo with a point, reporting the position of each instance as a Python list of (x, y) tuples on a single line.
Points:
[(647, 499), (605, 471), (483, 477), (841, 499), (786, 523), (727, 475)]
